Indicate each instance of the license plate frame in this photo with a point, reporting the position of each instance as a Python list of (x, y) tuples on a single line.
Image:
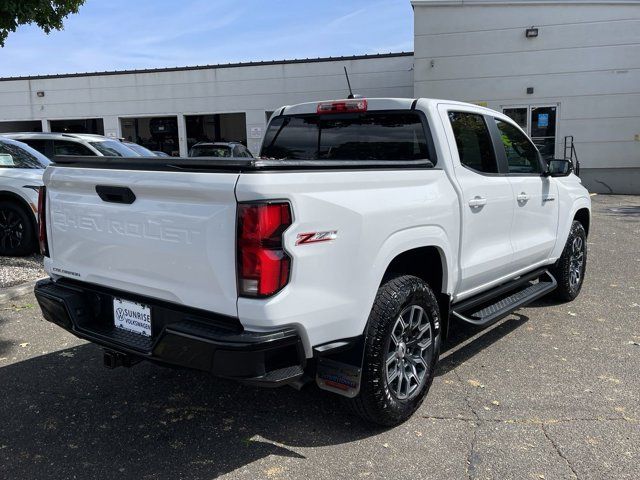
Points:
[(132, 317)]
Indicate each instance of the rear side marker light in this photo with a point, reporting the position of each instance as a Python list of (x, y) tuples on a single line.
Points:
[(42, 221), (262, 264), (343, 106)]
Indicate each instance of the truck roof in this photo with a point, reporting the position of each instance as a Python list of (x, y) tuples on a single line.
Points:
[(60, 135), (375, 104)]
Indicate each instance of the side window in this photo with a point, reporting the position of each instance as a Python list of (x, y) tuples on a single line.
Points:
[(63, 147), (39, 145), (522, 156), (474, 142), (13, 156)]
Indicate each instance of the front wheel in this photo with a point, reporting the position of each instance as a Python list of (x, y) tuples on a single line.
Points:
[(401, 351), (17, 233), (570, 268)]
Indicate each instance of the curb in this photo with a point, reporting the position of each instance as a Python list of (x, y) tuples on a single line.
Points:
[(11, 293)]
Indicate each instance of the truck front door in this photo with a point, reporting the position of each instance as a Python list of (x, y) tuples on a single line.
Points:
[(535, 222)]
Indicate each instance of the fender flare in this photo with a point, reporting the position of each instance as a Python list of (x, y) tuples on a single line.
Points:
[(9, 194), (350, 353), (404, 240), (563, 230)]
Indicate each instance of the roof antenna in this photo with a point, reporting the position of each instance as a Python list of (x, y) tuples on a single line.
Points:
[(348, 83)]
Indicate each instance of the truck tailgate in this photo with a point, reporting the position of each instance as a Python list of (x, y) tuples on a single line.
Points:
[(174, 242)]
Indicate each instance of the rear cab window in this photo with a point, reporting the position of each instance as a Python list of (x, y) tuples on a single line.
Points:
[(373, 135)]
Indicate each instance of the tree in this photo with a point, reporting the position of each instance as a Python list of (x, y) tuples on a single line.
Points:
[(47, 14)]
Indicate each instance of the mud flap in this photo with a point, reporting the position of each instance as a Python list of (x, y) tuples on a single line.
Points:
[(339, 367)]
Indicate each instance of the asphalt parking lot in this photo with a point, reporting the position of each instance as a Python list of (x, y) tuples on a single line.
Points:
[(551, 392)]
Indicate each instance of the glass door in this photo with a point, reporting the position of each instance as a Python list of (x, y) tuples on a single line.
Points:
[(540, 122), (543, 130)]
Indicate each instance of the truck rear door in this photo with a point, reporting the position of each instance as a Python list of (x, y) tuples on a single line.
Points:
[(486, 253)]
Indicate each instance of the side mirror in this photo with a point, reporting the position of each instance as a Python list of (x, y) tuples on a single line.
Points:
[(559, 168)]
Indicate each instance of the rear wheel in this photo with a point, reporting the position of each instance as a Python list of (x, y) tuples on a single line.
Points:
[(17, 232), (401, 351), (570, 268)]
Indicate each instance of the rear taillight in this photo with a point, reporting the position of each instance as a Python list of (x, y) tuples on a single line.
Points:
[(263, 265), (343, 106), (42, 221)]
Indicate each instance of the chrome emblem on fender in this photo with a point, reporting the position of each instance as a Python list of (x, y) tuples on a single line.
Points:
[(316, 237)]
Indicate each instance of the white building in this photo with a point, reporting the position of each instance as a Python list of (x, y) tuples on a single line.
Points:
[(170, 109), (577, 73), (559, 68)]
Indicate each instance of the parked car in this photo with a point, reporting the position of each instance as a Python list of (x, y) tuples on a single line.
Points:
[(51, 144), (344, 255), (21, 169), (139, 149), (220, 149)]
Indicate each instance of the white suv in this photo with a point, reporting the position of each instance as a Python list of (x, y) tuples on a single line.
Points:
[(21, 169), (85, 144)]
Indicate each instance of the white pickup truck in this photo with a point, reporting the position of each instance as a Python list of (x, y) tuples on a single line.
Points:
[(343, 254)]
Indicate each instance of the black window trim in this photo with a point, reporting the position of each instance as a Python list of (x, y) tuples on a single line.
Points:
[(499, 162), (431, 148), (504, 162)]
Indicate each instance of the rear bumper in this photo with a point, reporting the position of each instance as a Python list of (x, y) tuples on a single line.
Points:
[(180, 336)]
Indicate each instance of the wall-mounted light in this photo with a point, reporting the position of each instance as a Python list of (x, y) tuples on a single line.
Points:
[(531, 32), (40, 93)]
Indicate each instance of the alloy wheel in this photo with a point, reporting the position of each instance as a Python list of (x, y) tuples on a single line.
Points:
[(409, 353), (576, 262), (11, 230)]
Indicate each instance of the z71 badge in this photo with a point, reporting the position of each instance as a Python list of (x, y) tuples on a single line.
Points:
[(316, 237)]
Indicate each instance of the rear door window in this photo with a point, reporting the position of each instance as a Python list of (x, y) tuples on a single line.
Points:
[(64, 147), (350, 136), (475, 147), (37, 144)]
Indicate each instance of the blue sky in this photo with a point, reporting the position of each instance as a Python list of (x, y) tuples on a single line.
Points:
[(126, 34)]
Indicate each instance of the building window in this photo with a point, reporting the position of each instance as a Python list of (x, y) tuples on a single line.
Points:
[(80, 125), (155, 133), (219, 127)]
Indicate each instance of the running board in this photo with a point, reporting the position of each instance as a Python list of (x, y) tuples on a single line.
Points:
[(493, 305)]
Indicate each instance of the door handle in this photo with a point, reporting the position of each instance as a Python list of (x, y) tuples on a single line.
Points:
[(523, 197), (113, 194), (477, 202)]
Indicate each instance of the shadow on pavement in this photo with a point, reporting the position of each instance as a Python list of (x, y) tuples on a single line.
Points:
[(456, 352), (63, 415)]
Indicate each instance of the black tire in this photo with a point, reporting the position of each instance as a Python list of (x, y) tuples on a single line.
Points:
[(17, 230), (379, 399), (565, 268)]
